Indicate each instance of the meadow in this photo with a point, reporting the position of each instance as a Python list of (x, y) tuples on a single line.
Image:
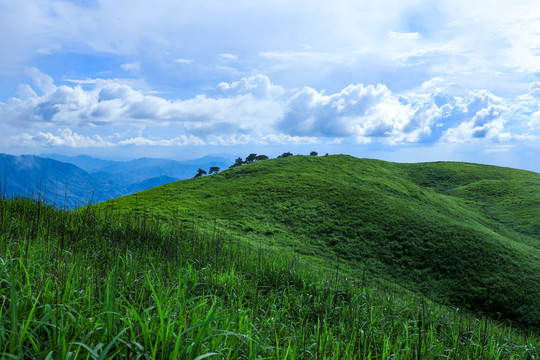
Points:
[(112, 281), (465, 235), (98, 285)]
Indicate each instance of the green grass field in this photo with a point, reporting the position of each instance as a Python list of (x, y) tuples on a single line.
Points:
[(463, 234), (295, 258), (93, 284)]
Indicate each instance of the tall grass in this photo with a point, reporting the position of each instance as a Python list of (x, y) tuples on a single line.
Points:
[(93, 284)]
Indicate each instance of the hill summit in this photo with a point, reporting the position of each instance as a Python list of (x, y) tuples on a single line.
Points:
[(464, 234)]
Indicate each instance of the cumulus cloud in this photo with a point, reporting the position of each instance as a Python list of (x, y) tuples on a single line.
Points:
[(258, 86), (534, 90), (534, 120), (255, 110), (479, 115), (487, 123), (181, 140), (248, 106), (529, 108), (365, 113), (65, 138), (358, 111), (251, 99)]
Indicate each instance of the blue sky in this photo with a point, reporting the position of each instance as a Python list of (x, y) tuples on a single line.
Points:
[(403, 81)]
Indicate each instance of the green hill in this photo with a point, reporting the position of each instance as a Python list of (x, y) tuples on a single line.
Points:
[(464, 234), (92, 284)]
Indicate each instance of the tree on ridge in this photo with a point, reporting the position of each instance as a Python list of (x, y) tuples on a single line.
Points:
[(285, 154), (200, 172)]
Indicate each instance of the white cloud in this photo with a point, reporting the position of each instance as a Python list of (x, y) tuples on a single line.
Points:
[(131, 66), (360, 112), (255, 110), (181, 140), (404, 36), (287, 139), (25, 91), (249, 105), (481, 116), (44, 82), (228, 56), (457, 40), (180, 50), (534, 90), (65, 138), (259, 86), (183, 61), (507, 136), (534, 120), (228, 71), (527, 109), (498, 148), (487, 123), (270, 139)]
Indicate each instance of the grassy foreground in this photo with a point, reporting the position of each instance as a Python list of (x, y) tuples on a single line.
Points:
[(464, 234), (93, 284)]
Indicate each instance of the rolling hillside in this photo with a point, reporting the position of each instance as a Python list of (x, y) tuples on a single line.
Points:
[(464, 234), (94, 284)]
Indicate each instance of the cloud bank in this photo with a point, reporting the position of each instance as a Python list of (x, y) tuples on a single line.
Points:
[(107, 113)]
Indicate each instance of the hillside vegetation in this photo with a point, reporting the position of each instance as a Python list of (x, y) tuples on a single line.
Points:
[(92, 284), (463, 234)]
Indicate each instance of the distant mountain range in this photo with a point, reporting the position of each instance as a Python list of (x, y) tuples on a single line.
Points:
[(75, 181)]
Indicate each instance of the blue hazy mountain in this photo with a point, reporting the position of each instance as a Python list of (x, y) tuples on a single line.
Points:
[(76, 181), (85, 162), (138, 170), (55, 182)]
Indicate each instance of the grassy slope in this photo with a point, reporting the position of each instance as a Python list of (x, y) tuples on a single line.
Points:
[(91, 284), (464, 234)]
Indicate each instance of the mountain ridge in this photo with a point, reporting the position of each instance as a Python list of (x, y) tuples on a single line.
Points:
[(65, 184), (138, 170)]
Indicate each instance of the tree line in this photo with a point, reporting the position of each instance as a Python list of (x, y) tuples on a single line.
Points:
[(251, 158)]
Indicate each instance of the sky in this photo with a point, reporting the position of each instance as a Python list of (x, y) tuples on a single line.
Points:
[(405, 81)]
